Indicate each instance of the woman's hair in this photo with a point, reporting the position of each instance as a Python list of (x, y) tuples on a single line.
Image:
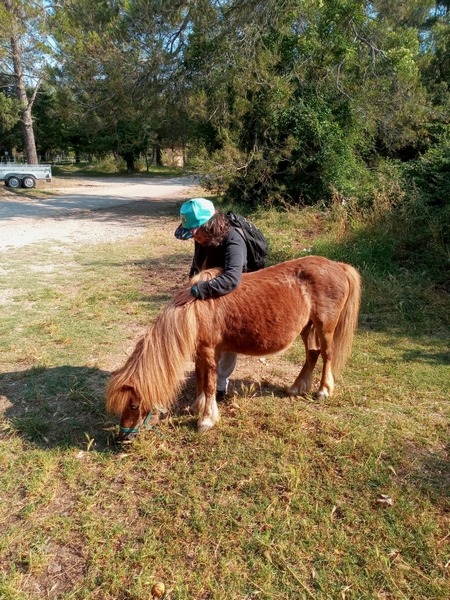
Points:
[(216, 229)]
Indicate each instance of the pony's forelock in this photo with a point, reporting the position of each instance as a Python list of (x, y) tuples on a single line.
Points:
[(117, 395)]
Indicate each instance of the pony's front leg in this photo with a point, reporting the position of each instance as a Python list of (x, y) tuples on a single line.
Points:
[(199, 405), (210, 414)]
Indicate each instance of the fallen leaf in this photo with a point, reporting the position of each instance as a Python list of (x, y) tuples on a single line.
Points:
[(385, 500)]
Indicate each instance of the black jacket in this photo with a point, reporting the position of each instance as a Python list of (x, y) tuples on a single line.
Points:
[(231, 255)]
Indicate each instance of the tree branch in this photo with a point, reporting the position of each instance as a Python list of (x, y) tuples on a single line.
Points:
[(373, 48)]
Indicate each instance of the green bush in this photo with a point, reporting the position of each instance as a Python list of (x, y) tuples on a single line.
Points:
[(297, 154), (403, 225)]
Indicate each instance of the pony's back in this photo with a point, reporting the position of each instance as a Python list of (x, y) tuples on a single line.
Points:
[(270, 308)]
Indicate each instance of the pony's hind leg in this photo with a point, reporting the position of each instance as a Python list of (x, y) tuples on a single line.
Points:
[(326, 386), (303, 383)]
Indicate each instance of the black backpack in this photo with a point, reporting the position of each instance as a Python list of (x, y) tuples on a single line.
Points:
[(257, 247)]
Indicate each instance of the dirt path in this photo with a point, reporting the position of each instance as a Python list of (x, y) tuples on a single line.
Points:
[(87, 210)]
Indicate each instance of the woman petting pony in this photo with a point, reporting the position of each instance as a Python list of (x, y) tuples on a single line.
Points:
[(313, 297), (217, 244)]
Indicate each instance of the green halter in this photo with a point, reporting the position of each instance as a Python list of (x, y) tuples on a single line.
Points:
[(145, 425)]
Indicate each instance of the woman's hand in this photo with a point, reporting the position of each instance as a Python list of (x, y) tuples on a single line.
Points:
[(184, 297)]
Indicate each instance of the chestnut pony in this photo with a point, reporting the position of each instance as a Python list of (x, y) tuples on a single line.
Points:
[(313, 296)]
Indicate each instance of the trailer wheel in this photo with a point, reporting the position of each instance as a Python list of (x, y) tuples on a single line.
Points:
[(29, 182), (13, 182)]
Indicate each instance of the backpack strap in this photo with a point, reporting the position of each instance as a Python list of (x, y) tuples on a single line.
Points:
[(241, 232)]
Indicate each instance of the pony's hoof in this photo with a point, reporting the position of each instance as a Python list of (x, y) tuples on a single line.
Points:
[(321, 395), (205, 425), (300, 390)]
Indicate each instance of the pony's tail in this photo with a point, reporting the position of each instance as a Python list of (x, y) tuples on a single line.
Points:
[(157, 367), (348, 321)]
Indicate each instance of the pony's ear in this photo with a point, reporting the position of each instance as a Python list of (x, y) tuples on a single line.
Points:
[(128, 384)]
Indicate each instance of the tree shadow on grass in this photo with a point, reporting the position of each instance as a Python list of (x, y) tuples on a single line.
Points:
[(57, 407), (65, 406), (435, 473), (438, 358)]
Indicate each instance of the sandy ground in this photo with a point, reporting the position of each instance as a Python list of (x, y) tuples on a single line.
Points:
[(86, 210)]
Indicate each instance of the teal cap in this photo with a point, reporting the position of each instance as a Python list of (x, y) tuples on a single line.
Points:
[(194, 213)]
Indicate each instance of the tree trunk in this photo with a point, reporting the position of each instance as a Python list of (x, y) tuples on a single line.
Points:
[(26, 103), (183, 153), (129, 159), (26, 123), (157, 156)]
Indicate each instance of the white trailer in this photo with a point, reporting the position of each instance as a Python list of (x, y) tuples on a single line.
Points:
[(16, 175)]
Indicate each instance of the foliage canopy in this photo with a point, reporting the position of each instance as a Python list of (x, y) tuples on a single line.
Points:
[(282, 101)]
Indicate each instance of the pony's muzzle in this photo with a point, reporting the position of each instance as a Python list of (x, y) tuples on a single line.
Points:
[(126, 434)]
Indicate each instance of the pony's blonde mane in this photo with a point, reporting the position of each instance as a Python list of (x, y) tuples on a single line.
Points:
[(157, 367), (206, 275)]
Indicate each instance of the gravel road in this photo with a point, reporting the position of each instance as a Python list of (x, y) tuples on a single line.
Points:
[(88, 210)]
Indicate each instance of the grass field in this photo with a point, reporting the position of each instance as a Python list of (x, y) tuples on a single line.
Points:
[(346, 498)]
